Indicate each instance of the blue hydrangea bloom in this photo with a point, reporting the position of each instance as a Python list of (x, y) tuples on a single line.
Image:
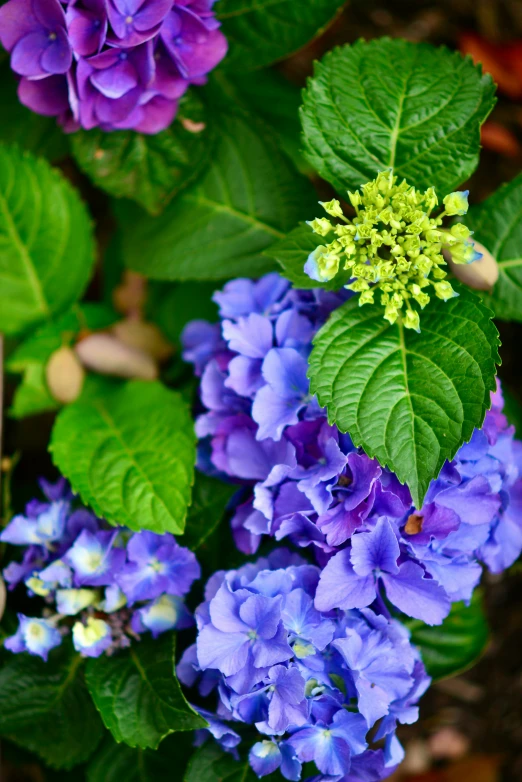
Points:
[(312, 684), (106, 584), (303, 480), (36, 636)]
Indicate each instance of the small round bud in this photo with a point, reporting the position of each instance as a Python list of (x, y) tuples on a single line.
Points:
[(456, 203), (2, 597), (64, 375)]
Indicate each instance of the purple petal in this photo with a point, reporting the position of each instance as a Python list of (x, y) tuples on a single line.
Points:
[(415, 595), (340, 586), (226, 651), (377, 549)]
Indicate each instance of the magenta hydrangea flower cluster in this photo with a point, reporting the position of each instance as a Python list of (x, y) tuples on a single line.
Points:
[(303, 480), (104, 584), (113, 64), (311, 684)]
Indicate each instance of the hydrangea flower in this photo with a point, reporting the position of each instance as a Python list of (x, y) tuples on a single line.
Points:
[(106, 585), (120, 64), (393, 245), (311, 684), (303, 480)]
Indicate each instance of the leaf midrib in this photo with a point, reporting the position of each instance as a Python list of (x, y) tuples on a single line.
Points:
[(218, 207)]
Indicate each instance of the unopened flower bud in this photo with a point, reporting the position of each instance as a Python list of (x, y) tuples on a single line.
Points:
[(64, 375)]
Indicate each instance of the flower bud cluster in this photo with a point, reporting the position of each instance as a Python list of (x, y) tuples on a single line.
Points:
[(393, 245)]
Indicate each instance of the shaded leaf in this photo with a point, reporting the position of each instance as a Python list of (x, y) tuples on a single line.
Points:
[(410, 400), (259, 33), (395, 104), (209, 501), (172, 305), (129, 450), (138, 695), (248, 198), (32, 132), (149, 169), (46, 243), (497, 223), (211, 764), (457, 643), (115, 762), (46, 707)]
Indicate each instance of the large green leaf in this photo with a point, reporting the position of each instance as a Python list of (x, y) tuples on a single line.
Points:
[(138, 695), (248, 198), (149, 169), (410, 400), (292, 252), (32, 132), (209, 500), (394, 104), (272, 98), (261, 32), (455, 645), (46, 244), (129, 451), (46, 707), (116, 762), (32, 355), (497, 223)]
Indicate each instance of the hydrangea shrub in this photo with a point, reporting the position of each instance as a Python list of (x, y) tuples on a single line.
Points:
[(356, 472)]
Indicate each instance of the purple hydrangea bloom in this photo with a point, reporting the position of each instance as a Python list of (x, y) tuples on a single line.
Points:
[(114, 64), (305, 481), (277, 663), (106, 584)]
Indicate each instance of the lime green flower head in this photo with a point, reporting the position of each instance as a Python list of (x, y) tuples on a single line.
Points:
[(392, 246)]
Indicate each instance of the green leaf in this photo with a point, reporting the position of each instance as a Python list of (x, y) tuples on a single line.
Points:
[(456, 645), (46, 243), (116, 762), (292, 252), (275, 100), (211, 764), (129, 451), (249, 197), (410, 400), (32, 355), (394, 104), (209, 500), (497, 223), (259, 33), (149, 169), (138, 695), (32, 132), (46, 707)]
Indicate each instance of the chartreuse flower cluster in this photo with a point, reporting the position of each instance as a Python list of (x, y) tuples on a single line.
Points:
[(393, 245), (105, 585)]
